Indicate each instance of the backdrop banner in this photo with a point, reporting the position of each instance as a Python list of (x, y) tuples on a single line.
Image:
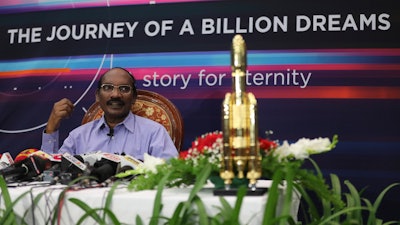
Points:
[(316, 68)]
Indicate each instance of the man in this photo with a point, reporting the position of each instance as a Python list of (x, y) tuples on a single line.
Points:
[(119, 131)]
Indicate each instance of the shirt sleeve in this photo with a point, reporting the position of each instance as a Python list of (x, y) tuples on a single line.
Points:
[(50, 142), (69, 144), (162, 145)]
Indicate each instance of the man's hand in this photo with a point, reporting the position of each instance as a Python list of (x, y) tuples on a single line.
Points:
[(61, 110)]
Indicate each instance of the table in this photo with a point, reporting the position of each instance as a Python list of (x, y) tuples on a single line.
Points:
[(125, 204)]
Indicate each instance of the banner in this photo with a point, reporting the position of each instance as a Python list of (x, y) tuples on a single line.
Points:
[(316, 68)]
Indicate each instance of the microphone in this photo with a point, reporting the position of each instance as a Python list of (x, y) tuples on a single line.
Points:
[(104, 169), (6, 160), (111, 132), (26, 169), (49, 175), (72, 164), (72, 167), (130, 161), (107, 165), (127, 164), (100, 165), (25, 154)]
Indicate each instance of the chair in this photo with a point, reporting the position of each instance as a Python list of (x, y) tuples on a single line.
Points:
[(152, 106)]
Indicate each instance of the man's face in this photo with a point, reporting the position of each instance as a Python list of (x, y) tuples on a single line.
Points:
[(116, 95)]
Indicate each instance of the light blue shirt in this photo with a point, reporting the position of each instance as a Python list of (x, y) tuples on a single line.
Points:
[(134, 136)]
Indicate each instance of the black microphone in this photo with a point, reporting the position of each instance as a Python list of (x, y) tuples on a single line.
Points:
[(72, 167), (12, 173), (104, 169), (102, 166), (26, 169), (111, 132)]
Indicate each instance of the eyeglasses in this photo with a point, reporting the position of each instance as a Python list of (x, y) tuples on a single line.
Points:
[(124, 89)]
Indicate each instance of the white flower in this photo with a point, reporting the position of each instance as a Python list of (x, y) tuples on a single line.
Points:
[(150, 163), (283, 151), (303, 148), (317, 145)]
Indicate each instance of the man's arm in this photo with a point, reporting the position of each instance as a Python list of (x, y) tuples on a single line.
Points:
[(162, 145), (50, 143), (61, 110), (50, 137)]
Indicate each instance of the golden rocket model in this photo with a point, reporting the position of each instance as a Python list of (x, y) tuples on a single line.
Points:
[(239, 120)]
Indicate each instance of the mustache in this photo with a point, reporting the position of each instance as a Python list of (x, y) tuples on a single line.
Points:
[(113, 101)]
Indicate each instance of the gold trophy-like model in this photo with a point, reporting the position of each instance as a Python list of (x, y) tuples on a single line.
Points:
[(239, 120)]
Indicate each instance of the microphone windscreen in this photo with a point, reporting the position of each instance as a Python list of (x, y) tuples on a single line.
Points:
[(80, 158), (43, 155), (69, 167), (103, 172), (104, 169), (12, 173), (37, 165), (24, 154), (26, 169), (6, 160)]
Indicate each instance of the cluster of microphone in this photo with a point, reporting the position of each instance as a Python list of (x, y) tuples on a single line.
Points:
[(92, 169)]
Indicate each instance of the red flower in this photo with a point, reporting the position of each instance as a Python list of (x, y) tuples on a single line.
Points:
[(183, 154), (207, 141), (266, 144)]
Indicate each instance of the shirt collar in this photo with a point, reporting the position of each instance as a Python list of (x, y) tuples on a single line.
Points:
[(129, 122)]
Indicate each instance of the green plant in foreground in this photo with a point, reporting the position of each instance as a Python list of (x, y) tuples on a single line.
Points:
[(322, 211), (102, 215), (283, 164), (324, 203), (7, 214), (193, 210)]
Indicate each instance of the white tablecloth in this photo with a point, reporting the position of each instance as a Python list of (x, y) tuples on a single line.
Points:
[(125, 204)]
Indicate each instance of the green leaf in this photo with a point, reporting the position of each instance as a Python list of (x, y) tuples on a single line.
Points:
[(273, 196), (239, 200), (354, 200), (312, 212), (8, 216), (34, 204), (139, 220), (203, 218), (372, 215), (110, 194), (157, 207), (175, 219), (89, 211), (288, 198), (339, 213)]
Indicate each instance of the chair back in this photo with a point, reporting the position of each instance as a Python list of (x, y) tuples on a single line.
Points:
[(153, 106)]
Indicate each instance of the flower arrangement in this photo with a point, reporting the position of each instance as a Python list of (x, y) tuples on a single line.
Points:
[(206, 149), (323, 202), (280, 163)]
